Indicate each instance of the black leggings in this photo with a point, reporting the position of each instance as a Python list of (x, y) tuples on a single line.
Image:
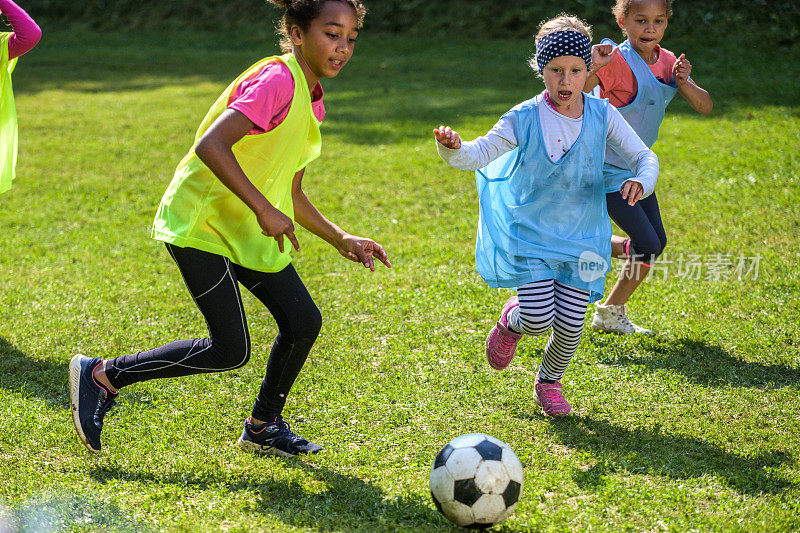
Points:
[(213, 282), (642, 223)]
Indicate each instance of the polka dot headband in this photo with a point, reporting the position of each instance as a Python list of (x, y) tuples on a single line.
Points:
[(563, 43)]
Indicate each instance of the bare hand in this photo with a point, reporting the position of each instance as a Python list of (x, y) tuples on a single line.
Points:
[(632, 191), (363, 250), (277, 225), (447, 137), (681, 70), (602, 54)]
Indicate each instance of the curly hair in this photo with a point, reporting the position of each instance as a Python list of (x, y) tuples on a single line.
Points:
[(622, 7), (302, 12)]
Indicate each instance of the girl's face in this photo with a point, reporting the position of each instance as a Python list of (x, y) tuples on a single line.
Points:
[(645, 23), (326, 46), (564, 78)]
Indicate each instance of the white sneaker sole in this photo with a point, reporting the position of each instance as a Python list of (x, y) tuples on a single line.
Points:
[(252, 447), (607, 329)]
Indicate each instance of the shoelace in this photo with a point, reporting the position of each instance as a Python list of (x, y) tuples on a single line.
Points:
[(554, 397), (104, 405), (507, 343), (285, 432)]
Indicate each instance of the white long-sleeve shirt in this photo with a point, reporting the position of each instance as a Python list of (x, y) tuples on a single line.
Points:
[(560, 133)]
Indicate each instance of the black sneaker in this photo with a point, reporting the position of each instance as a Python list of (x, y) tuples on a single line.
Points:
[(89, 401), (275, 438)]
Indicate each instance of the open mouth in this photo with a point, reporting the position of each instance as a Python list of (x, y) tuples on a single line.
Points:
[(564, 95), (337, 63)]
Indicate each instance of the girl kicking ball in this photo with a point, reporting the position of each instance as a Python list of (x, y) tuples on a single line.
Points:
[(543, 218)]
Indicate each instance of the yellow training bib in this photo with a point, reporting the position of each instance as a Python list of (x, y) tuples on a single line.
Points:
[(199, 211)]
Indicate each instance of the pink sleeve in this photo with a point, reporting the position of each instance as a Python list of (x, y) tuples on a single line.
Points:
[(265, 97), (663, 67), (610, 75), (617, 82), (26, 32)]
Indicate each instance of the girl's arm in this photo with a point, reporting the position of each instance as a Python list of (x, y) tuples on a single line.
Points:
[(356, 249), (215, 150), (476, 154), (699, 98), (623, 140), (26, 32), (602, 54)]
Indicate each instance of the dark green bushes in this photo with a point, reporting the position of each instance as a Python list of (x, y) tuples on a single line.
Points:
[(776, 21)]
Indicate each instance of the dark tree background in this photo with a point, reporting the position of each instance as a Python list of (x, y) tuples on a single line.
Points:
[(777, 21)]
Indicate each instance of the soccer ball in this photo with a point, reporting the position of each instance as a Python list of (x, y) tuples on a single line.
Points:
[(476, 481)]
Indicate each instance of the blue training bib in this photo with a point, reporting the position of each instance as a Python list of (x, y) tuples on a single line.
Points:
[(645, 113), (541, 219)]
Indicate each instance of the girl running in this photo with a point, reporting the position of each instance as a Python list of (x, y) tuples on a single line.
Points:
[(228, 218), (544, 228), (640, 81), (14, 44)]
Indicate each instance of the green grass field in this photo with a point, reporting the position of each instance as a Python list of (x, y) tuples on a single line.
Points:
[(697, 428)]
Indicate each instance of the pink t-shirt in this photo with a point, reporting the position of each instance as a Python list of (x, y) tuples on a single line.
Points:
[(618, 83), (266, 96), (26, 31)]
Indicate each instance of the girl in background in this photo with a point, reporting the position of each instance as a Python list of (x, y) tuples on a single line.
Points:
[(640, 80)]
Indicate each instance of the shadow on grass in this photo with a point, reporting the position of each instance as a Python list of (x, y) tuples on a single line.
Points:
[(708, 364), (345, 503), (29, 377), (651, 452)]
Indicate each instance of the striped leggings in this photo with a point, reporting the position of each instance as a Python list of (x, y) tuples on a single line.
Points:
[(546, 304)]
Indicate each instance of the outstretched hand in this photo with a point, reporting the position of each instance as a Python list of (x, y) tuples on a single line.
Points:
[(363, 250), (602, 54), (447, 137), (632, 191), (681, 70)]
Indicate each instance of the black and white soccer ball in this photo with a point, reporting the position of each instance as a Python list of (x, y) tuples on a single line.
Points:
[(476, 481)]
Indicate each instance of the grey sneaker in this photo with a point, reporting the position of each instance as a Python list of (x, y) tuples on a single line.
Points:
[(614, 319)]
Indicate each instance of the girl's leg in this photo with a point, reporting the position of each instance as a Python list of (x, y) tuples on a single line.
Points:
[(531, 312), (642, 223), (299, 322), (535, 313), (570, 309), (212, 283), (211, 280)]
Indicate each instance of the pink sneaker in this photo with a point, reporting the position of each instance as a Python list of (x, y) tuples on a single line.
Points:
[(501, 344), (549, 397)]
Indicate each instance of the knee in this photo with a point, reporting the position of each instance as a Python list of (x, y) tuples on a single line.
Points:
[(237, 352), (647, 251), (307, 328), (231, 351), (663, 245)]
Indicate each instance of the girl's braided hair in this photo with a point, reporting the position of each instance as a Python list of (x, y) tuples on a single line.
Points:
[(302, 12)]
